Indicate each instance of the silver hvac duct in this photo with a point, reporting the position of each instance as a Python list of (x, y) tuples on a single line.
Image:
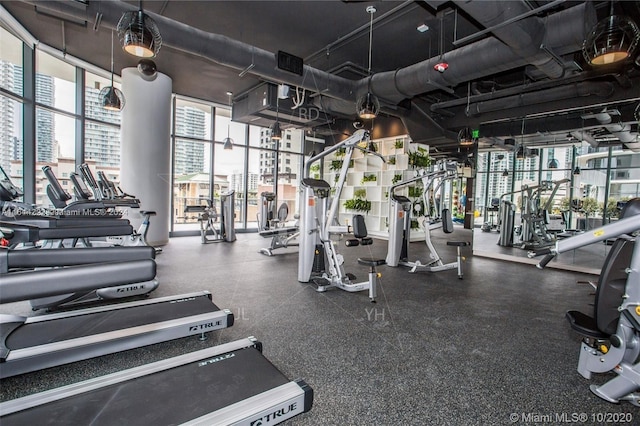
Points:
[(213, 47), (562, 32)]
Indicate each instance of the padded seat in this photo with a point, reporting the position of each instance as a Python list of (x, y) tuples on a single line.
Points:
[(371, 261), (585, 325), (458, 243)]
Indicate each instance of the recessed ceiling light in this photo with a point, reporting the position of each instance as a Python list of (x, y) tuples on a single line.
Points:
[(423, 28)]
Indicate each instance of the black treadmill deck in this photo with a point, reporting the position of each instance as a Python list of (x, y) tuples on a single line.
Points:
[(60, 329), (163, 395)]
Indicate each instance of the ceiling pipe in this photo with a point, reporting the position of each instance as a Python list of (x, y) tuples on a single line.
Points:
[(525, 37), (485, 57), (213, 47), (575, 90), (477, 60), (622, 131)]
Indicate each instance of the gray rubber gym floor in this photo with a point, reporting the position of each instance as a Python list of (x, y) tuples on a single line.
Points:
[(493, 348)]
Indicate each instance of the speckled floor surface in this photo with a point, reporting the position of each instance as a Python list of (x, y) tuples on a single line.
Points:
[(493, 348)]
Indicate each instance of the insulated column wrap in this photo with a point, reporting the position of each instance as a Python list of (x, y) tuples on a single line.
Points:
[(145, 149)]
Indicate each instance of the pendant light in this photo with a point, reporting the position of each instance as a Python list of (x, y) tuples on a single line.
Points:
[(110, 97), (276, 132), (368, 106), (228, 142), (139, 34), (612, 40)]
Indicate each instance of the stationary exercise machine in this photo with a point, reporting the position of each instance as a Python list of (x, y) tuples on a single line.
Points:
[(208, 217), (118, 286), (611, 335), (534, 218), (319, 260), (42, 341), (272, 224), (232, 383), (52, 231), (400, 208)]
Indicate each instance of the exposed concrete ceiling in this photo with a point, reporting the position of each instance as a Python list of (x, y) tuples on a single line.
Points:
[(526, 78)]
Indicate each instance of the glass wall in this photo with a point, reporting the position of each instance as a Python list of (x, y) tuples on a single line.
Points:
[(204, 171), (11, 111)]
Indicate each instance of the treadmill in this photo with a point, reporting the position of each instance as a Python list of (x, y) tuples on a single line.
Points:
[(34, 343), (119, 284), (42, 341), (232, 383)]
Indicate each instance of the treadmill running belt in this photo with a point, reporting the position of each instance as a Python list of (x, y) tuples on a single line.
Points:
[(167, 397), (39, 333)]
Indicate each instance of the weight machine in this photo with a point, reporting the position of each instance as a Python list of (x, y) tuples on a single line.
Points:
[(400, 223), (533, 231), (273, 225), (611, 334), (319, 260), (208, 217)]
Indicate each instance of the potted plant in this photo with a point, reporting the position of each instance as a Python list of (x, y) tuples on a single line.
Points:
[(396, 178), (419, 159), (358, 203), (369, 178)]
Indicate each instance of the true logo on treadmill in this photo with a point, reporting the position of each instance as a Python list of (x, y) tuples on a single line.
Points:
[(276, 416), (205, 326), (216, 359), (130, 288)]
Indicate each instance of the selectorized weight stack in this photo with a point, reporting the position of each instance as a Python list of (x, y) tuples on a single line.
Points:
[(319, 260)]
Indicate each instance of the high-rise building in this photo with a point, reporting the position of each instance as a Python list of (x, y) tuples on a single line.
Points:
[(45, 123), (102, 143), (189, 156)]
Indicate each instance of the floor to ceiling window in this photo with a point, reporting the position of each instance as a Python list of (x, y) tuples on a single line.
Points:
[(11, 114)]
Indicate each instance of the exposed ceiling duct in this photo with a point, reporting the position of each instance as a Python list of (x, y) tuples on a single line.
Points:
[(620, 130), (476, 60), (530, 41), (485, 57)]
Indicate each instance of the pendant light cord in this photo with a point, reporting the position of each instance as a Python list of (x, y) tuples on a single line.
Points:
[(112, 59), (371, 11)]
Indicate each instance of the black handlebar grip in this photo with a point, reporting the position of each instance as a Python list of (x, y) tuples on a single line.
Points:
[(548, 258)]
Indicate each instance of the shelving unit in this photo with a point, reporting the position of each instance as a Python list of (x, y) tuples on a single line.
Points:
[(370, 176)]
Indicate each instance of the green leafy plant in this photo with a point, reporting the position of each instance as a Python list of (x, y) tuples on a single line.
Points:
[(369, 178), (358, 205), (340, 152), (612, 207), (414, 224), (419, 159), (415, 192), (315, 170), (396, 178), (391, 160), (360, 193), (335, 165), (399, 143)]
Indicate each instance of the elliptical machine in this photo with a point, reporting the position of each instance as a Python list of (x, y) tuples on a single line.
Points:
[(319, 260)]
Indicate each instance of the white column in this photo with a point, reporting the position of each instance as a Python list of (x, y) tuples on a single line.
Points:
[(145, 149)]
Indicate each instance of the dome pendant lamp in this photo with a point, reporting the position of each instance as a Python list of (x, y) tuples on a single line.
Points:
[(139, 34), (110, 97), (612, 40), (368, 106)]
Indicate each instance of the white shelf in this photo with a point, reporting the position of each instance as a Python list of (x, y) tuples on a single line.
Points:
[(395, 151)]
